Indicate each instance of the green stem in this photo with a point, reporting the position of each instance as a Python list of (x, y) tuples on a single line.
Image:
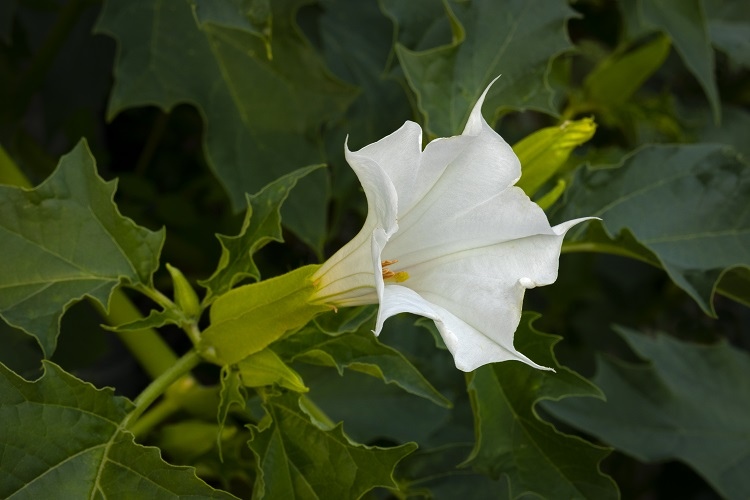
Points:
[(156, 415), (147, 346), (161, 384)]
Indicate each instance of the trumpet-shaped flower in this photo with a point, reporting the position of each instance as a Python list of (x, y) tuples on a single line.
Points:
[(447, 236)]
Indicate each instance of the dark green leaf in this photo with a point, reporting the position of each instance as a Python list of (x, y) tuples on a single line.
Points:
[(685, 22), (263, 105), (686, 204), (297, 459), (419, 24), (261, 226), (689, 403), (729, 25), (512, 440), (360, 351), (515, 39), (63, 438), (65, 240)]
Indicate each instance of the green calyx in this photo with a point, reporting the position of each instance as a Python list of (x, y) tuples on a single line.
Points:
[(247, 319)]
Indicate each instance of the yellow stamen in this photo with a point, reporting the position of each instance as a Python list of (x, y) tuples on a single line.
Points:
[(388, 275)]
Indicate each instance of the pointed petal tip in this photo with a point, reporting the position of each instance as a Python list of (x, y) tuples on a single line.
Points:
[(474, 123), (563, 227)]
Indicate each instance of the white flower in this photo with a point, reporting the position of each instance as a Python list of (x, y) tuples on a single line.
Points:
[(447, 236)]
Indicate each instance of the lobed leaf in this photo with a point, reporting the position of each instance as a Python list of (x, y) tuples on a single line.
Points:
[(360, 351), (264, 98), (262, 225), (686, 24), (512, 440), (298, 459), (688, 402), (63, 438), (686, 205), (65, 240), (516, 39)]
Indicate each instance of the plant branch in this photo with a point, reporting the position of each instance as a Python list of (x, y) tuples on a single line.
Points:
[(161, 384)]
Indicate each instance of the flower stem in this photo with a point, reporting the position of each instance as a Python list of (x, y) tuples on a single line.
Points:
[(161, 384), (160, 412)]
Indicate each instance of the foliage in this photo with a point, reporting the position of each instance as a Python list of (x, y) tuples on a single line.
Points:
[(133, 132)]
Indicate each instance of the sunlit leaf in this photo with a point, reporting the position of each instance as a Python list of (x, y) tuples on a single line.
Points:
[(686, 204), (297, 459), (688, 402), (63, 438), (515, 39), (512, 440), (65, 240)]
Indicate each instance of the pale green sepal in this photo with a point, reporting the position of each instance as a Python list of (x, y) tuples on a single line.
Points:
[(616, 78), (267, 368), (552, 195), (248, 318), (545, 151), (184, 294)]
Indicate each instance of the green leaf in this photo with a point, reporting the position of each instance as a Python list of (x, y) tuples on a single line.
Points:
[(63, 438), (65, 240), (510, 437), (420, 24), (247, 319), (155, 319), (297, 459), (231, 394), (360, 351), (266, 368), (263, 115), (261, 226), (685, 22), (729, 26), (545, 151), (688, 402), (617, 77), (517, 39), (686, 204)]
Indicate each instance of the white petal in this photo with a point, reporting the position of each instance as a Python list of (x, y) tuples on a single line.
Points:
[(346, 278), (507, 215), (398, 155), (459, 172), (476, 123), (382, 197), (478, 293)]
